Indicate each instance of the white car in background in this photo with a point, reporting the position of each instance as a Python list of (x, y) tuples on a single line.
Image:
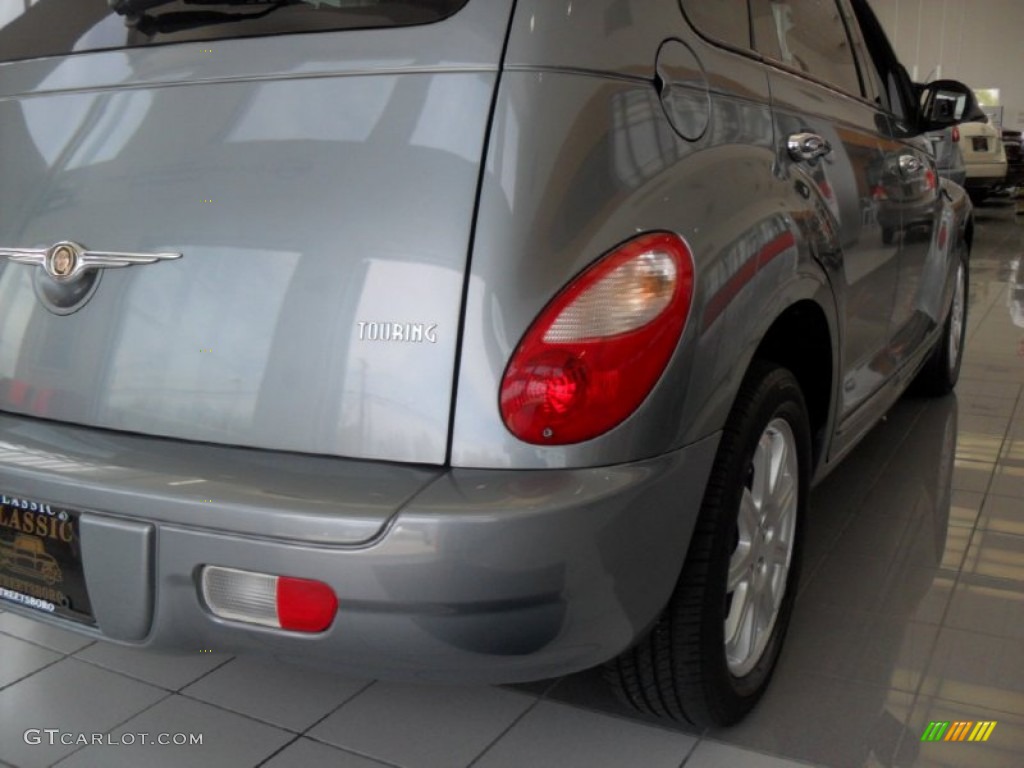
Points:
[(949, 159), (985, 158)]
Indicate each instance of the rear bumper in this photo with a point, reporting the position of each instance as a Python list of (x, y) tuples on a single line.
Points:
[(985, 175), (1014, 176), (479, 576)]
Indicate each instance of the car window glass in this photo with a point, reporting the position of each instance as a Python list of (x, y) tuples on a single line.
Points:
[(724, 20), (808, 36), (34, 28)]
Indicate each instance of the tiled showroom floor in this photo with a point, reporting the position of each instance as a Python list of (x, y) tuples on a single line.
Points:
[(911, 610)]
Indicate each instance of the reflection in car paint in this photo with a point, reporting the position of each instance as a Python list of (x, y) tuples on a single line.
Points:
[(751, 252)]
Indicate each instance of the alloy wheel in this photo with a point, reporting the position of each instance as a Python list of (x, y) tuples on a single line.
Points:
[(759, 566)]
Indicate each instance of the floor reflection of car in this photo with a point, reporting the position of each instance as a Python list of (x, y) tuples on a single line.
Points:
[(1014, 159), (914, 510), (1015, 295), (27, 555), (984, 157), (949, 159)]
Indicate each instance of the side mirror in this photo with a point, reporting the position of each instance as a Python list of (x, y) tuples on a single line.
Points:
[(945, 103)]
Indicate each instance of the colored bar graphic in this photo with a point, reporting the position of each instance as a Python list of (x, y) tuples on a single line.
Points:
[(982, 731), (960, 730), (935, 731)]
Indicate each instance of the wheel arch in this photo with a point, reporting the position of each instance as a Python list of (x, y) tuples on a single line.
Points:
[(800, 339)]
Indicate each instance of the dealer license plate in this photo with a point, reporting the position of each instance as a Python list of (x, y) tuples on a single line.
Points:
[(41, 558)]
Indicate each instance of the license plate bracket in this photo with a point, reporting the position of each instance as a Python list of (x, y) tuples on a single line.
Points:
[(41, 558)]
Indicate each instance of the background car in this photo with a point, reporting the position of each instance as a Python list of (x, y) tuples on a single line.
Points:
[(949, 160), (985, 158)]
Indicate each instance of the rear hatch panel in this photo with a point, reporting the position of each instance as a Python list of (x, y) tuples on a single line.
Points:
[(320, 189)]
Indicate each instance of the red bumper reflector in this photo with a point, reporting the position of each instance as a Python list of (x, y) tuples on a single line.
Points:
[(304, 605)]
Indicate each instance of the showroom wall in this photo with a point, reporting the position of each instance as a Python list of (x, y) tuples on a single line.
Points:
[(978, 41)]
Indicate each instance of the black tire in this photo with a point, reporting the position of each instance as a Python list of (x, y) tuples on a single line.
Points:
[(941, 371), (680, 670)]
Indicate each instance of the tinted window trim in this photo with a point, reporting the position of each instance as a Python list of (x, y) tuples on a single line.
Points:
[(26, 38)]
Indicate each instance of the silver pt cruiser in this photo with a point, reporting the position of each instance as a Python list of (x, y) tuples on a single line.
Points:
[(476, 340)]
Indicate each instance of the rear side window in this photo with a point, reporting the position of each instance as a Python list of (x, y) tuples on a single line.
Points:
[(727, 21), (808, 36), (33, 28)]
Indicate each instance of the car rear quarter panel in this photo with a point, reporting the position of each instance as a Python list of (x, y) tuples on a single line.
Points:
[(582, 157)]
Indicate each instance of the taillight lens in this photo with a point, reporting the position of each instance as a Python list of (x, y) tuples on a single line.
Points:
[(956, 134), (597, 349)]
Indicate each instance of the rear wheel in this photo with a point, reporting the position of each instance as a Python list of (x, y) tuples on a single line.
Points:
[(942, 370), (710, 656)]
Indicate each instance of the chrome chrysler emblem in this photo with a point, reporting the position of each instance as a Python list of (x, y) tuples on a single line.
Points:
[(65, 261), (61, 261)]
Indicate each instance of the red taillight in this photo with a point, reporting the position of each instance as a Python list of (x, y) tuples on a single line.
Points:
[(956, 134), (597, 349)]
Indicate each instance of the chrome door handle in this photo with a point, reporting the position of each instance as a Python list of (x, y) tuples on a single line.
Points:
[(910, 166), (807, 147)]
